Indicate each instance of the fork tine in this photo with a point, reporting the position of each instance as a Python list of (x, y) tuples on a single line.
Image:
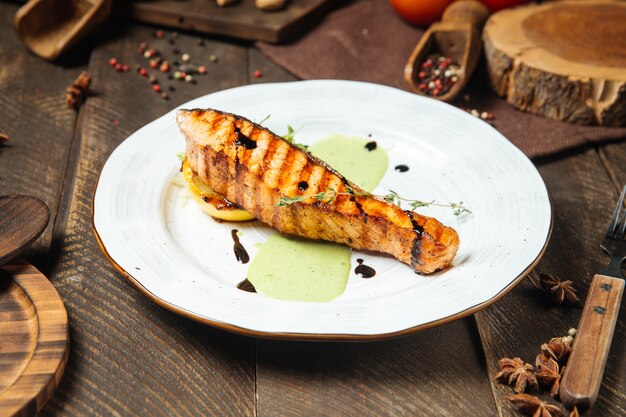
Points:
[(615, 224)]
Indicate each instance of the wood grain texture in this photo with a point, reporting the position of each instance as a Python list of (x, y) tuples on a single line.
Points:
[(583, 199), (404, 377), (241, 20), (128, 356), (34, 115), (585, 367), (561, 60), (22, 220), (33, 340)]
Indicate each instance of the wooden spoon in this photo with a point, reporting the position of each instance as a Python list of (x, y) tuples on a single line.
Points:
[(457, 36), (22, 220), (49, 27)]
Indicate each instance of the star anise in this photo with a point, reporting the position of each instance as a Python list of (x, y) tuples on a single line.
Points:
[(78, 91), (533, 406), (557, 349), (518, 374), (548, 373), (560, 290)]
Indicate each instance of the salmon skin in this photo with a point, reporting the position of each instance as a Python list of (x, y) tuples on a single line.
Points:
[(254, 168)]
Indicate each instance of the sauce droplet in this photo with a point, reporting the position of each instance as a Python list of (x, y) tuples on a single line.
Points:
[(240, 252), (370, 146), (401, 168), (303, 185), (243, 140), (246, 285), (364, 270)]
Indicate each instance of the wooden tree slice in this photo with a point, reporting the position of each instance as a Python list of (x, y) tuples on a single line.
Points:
[(34, 340), (562, 60)]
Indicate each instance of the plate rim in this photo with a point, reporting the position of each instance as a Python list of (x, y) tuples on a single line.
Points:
[(316, 336)]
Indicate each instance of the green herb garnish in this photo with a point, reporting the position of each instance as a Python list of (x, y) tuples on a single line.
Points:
[(331, 194)]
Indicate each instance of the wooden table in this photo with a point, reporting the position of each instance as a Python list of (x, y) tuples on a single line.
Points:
[(130, 357)]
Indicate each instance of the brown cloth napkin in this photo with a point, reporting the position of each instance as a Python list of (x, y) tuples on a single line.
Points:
[(367, 41)]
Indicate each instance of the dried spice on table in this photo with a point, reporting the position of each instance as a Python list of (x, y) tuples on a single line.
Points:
[(558, 348), (517, 373), (561, 290), (533, 406), (79, 90), (548, 373)]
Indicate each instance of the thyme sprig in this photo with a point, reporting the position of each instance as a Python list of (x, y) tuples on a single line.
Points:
[(392, 197)]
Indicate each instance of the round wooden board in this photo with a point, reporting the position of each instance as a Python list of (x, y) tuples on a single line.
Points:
[(562, 60), (34, 340)]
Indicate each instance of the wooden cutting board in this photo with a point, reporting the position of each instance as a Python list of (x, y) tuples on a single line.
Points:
[(34, 340), (562, 60), (241, 20)]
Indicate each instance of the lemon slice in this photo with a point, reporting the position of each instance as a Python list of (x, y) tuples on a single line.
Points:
[(214, 204)]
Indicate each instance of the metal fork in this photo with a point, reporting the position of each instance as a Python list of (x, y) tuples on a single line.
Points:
[(583, 372)]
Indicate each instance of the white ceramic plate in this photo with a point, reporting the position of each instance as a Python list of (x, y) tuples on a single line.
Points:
[(182, 259)]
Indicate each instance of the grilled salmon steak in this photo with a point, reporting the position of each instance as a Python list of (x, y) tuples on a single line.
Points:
[(254, 168)]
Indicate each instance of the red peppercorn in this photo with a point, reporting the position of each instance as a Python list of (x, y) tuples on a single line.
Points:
[(435, 91), (143, 72), (159, 34), (422, 86), (438, 83), (118, 67), (421, 74), (165, 67), (156, 88), (183, 75), (116, 122), (125, 67), (112, 62), (258, 74), (201, 69), (154, 63)]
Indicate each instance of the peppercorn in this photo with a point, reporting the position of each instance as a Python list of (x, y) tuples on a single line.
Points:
[(113, 62), (188, 78), (125, 67), (118, 67), (258, 74), (185, 57), (571, 332), (201, 69), (159, 34), (143, 72), (156, 88), (213, 58), (165, 67)]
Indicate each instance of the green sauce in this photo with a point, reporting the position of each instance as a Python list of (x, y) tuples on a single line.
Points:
[(290, 268)]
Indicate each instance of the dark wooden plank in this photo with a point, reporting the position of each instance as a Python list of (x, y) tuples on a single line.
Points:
[(128, 356), (439, 372), (242, 20), (33, 113), (583, 199)]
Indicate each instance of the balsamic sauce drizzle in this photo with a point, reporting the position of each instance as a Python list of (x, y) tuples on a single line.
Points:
[(401, 168), (303, 185), (246, 285), (243, 140), (364, 270), (370, 146), (240, 252)]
